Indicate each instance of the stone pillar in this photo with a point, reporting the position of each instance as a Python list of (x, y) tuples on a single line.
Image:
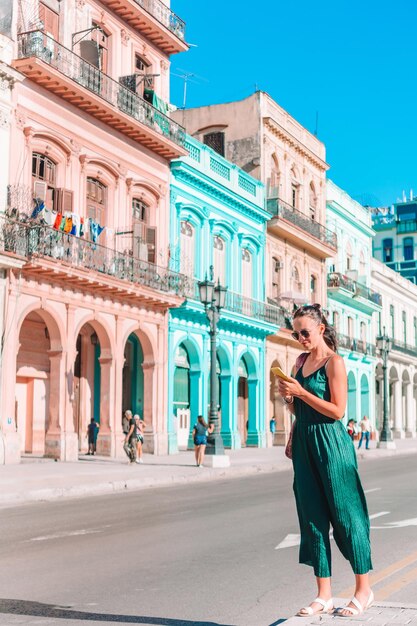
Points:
[(398, 431), (116, 422), (410, 431), (70, 443), (104, 437), (149, 410), (54, 441)]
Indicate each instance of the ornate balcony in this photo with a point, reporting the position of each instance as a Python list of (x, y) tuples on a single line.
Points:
[(405, 348), (343, 289), (153, 19), (61, 257), (247, 307), (57, 69), (356, 345), (289, 223)]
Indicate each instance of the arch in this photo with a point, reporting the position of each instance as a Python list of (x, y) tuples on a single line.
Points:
[(365, 399), (248, 383), (221, 227), (100, 168), (50, 143), (351, 403), (54, 324), (103, 331), (274, 179), (146, 341), (193, 349), (150, 191), (249, 241), (251, 362)]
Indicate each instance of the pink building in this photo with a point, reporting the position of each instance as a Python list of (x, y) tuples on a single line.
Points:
[(86, 306)]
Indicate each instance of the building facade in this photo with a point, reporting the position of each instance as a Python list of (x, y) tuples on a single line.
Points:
[(218, 227), (395, 243), (87, 216), (352, 304), (398, 319), (264, 140)]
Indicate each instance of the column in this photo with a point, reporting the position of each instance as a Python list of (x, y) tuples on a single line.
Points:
[(410, 431), (70, 443), (54, 439), (398, 431), (117, 436), (106, 397)]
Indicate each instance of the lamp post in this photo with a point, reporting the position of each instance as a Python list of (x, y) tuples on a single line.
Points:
[(383, 343), (213, 298)]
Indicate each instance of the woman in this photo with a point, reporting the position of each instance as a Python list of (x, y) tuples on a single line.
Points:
[(140, 429), (327, 486), (200, 431)]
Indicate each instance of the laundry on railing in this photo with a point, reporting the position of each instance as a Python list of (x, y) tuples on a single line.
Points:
[(39, 207)]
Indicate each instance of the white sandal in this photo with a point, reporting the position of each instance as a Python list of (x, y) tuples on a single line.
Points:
[(308, 611), (359, 608)]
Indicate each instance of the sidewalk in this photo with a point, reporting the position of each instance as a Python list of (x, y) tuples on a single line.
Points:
[(380, 614), (37, 480)]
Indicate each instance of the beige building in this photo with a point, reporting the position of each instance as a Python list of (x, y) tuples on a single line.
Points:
[(260, 137)]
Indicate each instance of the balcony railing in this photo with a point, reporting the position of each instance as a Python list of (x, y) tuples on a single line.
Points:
[(279, 208), (164, 15), (237, 303), (404, 347), (34, 241), (337, 280), (38, 44), (356, 345)]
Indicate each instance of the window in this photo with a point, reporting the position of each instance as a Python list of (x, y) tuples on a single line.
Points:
[(335, 322), (312, 202), (219, 260), (142, 68), (276, 269), (295, 189), (387, 254), (187, 248), (247, 277), (408, 248), (43, 169), (273, 182), (215, 141), (349, 257), (96, 201), (313, 288), (392, 318), (404, 321), (102, 41), (415, 331), (295, 279), (363, 334), (139, 210), (144, 236), (350, 327), (50, 21), (362, 265)]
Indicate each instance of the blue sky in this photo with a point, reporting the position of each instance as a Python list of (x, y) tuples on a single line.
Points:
[(355, 62)]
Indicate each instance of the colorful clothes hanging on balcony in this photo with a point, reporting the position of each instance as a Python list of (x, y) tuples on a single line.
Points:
[(49, 217), (58, 221), (39, 207)]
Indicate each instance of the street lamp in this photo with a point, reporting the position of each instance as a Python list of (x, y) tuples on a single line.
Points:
[(383, 343), (213, 297)]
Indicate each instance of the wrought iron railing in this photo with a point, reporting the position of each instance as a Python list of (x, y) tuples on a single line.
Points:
[(406, 348), (337, 280), (278, 208), (356, 345), (237, 303), (165, 16), (35, 241), (38, 44)]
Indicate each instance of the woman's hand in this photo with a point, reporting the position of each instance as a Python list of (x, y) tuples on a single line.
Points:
[(292, 388)]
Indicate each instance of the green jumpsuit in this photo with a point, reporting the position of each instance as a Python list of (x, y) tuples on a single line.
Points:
[(327, 486)]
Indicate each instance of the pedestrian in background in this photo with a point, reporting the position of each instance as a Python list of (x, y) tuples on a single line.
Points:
[(327, 486), (366, 428), (131, 439), (127, 416), (351, 429), (92, 434), (140, 429), (200, 431)]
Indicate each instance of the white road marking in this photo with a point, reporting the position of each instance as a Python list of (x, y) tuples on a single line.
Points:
[(374, 489), (375, 515), (73, 533)]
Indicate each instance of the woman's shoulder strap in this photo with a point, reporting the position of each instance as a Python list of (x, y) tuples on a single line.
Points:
[(301, 359)]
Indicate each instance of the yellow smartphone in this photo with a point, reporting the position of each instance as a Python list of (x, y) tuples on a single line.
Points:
[(278, 372)]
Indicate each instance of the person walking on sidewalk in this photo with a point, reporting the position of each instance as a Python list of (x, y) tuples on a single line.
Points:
[(200, 431), (130, 443), (327, 486), (366, 428), (92, 433), (140, 429), (351, 429)]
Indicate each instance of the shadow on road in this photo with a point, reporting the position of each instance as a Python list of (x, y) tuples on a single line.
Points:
[(40, 609)]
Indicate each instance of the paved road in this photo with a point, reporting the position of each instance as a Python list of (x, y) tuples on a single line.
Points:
[(203, 555)]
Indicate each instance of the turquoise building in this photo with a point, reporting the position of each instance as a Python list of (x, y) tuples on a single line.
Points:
[(351, 302), (218, 219)]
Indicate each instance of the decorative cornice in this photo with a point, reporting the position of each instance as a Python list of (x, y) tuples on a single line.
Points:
[(259, 216), (278, 131)]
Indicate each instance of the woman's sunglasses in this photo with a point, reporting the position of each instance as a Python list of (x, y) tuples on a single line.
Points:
[(303, 333)]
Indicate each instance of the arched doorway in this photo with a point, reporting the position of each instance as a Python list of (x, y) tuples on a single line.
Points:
[(242, 401), (182, 396), (132, 398), (351, 403), (364, 396), (33, 381), (87, 382)]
